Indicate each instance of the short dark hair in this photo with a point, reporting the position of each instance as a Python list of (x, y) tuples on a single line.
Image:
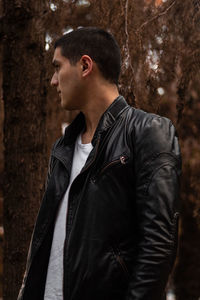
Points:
[(97, 43)]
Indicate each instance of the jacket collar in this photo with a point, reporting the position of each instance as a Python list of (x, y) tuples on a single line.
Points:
[(106, 120)]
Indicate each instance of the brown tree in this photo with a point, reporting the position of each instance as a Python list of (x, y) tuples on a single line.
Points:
[(1, 176), (24, 93), (160, 44)]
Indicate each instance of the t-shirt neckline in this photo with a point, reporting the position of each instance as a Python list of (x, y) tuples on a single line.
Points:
[(79, 141)]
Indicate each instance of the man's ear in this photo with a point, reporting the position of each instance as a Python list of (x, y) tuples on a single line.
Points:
[(86, 64)]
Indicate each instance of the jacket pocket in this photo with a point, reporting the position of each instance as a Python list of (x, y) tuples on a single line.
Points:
[(120, 261), (122, 160)]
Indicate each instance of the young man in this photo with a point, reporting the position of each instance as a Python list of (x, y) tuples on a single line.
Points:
[(107, 226)]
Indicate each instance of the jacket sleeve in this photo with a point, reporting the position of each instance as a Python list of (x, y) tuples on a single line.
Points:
[(157, 169)]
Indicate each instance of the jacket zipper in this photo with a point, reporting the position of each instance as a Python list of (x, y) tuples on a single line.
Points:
[(175, 232), (95, 155), (68, 236), (119, 259)]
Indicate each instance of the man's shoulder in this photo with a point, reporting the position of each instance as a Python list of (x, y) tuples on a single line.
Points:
[(152, 133), (140, 121), (141, 116)]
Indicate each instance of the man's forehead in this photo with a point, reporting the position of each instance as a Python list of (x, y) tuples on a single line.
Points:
[(56, 56)]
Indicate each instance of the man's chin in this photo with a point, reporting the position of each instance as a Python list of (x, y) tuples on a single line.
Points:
[(65, 105)]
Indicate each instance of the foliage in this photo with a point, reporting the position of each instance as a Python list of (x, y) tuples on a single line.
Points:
[(160, 46)]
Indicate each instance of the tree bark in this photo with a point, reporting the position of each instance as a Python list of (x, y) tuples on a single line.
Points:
[(166, 31), (24, 93)]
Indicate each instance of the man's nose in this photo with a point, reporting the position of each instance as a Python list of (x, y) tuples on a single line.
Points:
[(54, 80)]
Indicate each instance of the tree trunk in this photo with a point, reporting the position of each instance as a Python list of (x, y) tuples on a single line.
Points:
[(24, 94)]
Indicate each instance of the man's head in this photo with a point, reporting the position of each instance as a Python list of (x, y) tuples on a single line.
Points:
[(96, 43), (83, 50)]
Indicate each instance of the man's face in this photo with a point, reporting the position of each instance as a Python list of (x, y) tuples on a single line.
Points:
[(67, 80)]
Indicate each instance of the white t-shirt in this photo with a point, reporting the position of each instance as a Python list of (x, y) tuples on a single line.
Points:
[(54, 280)]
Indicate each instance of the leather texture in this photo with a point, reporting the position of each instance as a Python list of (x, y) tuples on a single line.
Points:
[(123, 210)]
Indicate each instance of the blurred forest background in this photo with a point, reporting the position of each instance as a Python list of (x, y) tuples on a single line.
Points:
[(160, 46)]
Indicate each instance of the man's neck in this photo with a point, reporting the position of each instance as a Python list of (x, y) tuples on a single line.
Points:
[(94, 112)]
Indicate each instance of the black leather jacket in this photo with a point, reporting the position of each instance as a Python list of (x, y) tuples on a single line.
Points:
[(123, 210)]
